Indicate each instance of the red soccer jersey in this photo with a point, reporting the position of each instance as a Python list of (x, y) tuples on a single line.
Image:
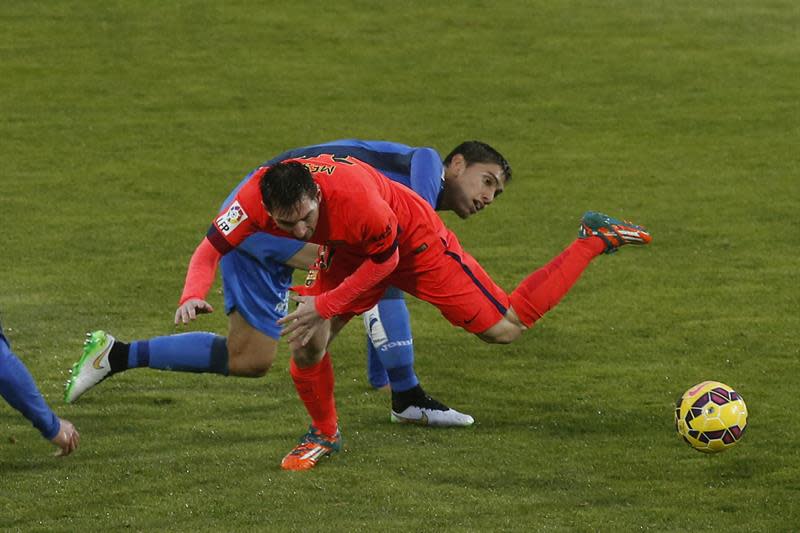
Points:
[(359, 209), (364, 215)]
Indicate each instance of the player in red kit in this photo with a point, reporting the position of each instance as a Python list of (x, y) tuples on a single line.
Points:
[(375, 233)]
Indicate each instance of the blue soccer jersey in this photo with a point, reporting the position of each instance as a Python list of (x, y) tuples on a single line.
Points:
[(419, 169)]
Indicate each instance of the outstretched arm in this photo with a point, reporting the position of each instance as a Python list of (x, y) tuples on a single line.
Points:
[(367, 275), (313, 311), (199, 278), (19, 390), (305, 257)]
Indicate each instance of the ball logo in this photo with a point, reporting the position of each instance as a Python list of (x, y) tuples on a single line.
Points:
[(231, 218)]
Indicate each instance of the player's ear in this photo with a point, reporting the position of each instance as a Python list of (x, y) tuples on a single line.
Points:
[(457, 164)]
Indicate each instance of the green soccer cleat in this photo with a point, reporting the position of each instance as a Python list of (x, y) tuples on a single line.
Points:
[(93, 366), (614, 232)]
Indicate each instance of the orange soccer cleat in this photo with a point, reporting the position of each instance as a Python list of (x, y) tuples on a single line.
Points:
[(313, 447), (614, 232)]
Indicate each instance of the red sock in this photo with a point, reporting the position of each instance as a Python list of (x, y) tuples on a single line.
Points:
[(315, 387), (543, 289)]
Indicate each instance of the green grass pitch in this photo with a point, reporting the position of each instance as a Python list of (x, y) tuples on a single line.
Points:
[(123, 125)]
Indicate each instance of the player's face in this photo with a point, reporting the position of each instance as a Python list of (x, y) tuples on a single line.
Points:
[(471, 188), (300, 220)]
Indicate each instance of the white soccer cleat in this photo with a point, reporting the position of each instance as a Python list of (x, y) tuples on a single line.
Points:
[(432, 415), (93, 366)]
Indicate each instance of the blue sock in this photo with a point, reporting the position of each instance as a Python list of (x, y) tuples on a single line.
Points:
[(376, 373), (186, 352), (389, 332)]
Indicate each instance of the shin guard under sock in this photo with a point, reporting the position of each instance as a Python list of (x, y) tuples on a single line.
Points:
[(314, 385), (185, 352), (544, 288)]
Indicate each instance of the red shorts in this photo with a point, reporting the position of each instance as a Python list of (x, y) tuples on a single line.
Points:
[(443, 275)]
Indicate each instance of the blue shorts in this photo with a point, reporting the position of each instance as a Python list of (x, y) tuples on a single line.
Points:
[(256, 281)]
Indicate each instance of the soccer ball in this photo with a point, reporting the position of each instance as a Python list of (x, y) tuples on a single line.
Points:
[(711, 417)]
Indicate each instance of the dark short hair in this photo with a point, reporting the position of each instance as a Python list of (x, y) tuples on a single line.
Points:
[(284, 185), (480, 152)]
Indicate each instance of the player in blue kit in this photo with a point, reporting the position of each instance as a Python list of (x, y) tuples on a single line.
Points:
[(257, 275), (19, 390)]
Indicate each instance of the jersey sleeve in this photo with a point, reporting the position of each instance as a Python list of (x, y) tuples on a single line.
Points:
[(201, 272), (239, 218), (427, 174), (373, 226), (19, 390), (367, 275)]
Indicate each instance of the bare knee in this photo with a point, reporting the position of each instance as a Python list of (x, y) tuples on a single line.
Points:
[(244, 363), (250, 352), (310, 354), (306, 356)]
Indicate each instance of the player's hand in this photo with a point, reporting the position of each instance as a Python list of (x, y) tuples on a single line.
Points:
[(303, 322), (190, 309), (67, 438)]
